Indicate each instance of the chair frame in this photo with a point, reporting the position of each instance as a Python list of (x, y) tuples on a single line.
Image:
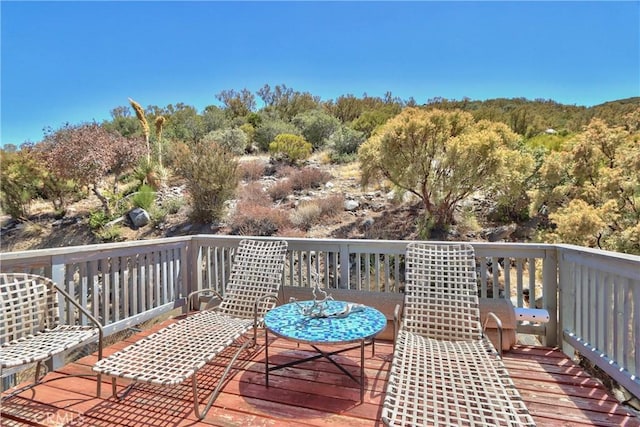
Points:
[(176, 352), (30, 327), (444, 370)]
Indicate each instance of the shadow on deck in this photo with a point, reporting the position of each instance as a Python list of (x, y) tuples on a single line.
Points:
[(556, 390)]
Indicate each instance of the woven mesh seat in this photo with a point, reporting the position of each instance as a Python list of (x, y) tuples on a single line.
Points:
[(30, 327), (444, 371), (176, 352)]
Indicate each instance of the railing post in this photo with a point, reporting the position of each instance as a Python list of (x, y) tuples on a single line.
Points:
[(345, 267), (191, 273), (567, 299), (550, 295), (58, 276)]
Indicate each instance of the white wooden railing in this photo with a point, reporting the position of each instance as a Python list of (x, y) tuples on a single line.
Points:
[(125, 284)]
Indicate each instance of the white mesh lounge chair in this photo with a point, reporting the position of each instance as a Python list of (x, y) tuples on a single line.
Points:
[(30, 327), (444, 372), (175, 353)]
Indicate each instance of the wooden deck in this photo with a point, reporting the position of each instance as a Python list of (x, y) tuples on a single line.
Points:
[(556, 390)]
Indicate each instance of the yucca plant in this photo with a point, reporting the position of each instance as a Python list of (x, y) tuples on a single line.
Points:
[(145, 125)]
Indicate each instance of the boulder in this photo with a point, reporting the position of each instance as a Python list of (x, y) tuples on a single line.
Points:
[(351, 205), (139, 217)]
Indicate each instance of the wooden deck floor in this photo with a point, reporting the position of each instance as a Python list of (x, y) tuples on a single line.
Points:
[(556, 390)]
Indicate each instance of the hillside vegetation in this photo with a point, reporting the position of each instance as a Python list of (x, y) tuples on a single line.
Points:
[(370, 167)]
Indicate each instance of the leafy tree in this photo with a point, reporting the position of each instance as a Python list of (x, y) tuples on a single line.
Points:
[(347, 108), (234, 140), (212, 178), (286, 102), (213, 118), (122, 122), (237, 104), (21, 179), (269, 129), (591, 188), (183, 121), (290, 148), (345, 142), (316, 127), (86, 153), (370, 120), (441, 157)]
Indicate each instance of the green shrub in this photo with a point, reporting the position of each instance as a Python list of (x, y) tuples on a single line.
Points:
[(232, 139), (97, 219), (173, 205), (345, 142), (212, 178), (144, 198), (110, 234), (290, 148)]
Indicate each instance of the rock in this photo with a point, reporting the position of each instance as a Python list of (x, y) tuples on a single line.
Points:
[(139, 217), (367, 223), (351, 205), (500, 233), (329, 185)]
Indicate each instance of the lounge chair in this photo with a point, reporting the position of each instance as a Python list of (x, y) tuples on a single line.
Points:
[(444, 371), (31, 330), (175, 353)]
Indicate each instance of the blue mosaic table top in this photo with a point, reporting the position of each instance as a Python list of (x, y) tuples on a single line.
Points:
[(286, 321)]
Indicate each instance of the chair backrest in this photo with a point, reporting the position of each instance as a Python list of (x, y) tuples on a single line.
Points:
[(441, 292), (256, 271), (29, 305)]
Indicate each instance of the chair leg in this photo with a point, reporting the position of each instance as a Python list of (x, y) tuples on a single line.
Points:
[(216, 392), (37, 377)]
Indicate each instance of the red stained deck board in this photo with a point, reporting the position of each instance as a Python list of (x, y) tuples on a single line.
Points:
[(557, 391)]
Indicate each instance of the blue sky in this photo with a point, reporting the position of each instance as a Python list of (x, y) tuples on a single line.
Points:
[(76, 61)]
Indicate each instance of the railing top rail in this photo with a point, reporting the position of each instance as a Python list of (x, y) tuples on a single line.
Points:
[(98, 247), (582, 250)]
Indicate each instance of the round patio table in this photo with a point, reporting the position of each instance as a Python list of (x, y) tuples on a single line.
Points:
[(359, 326)]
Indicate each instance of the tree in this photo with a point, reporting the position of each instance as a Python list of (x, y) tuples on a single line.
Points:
[(269, 129), (185, 124), (316, 127), (591, 189), (237, 104), (213, 118), (122, 122), (441, 157), (346, 141), (21, 178), (286, 102), (232, 139), (86, 153)]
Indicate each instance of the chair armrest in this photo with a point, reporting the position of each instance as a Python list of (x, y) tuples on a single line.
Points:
[(397, 313), (499, 326), (259, 300), (86, 313), (190, 305)]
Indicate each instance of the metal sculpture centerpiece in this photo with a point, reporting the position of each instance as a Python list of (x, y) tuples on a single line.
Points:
[(320, 306)]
